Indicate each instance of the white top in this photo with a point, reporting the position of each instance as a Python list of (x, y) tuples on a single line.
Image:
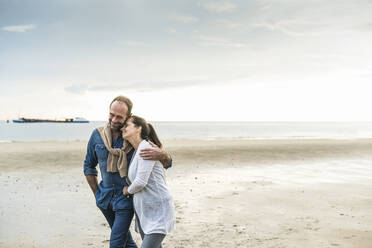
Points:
[(152, 199)]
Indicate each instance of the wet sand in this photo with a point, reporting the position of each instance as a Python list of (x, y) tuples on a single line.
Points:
[(228, 193)]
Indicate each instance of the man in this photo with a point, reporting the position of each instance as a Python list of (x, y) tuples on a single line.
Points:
[(107, 148)]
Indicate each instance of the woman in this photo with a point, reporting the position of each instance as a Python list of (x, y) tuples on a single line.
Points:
[(153, 204)]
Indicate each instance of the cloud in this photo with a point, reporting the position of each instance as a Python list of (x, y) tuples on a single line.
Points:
[(298, 19), (220, 7), (134, 43), (171, 30), (300, 27), (184, 19), (77, 88), (363, 27), (217, 41), (20, 28), (144, 85), (228, 24)]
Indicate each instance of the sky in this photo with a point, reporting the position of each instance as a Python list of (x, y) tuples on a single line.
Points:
[(187, 60)]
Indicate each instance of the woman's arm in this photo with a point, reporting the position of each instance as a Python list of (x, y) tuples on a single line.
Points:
[(144, 169)]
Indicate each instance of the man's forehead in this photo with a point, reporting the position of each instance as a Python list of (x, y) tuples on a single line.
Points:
[(118, 108)]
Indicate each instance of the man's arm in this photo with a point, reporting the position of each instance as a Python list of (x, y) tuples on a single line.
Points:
[(93, 183), (166, 161), (90, 164), (155, 153)]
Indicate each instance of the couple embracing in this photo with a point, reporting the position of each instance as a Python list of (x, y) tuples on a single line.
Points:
[(132, 166)]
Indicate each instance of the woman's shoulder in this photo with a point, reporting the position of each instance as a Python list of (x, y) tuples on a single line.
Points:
[(144, 144)]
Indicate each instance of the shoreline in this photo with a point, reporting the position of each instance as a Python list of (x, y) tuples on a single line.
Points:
[(197, 152)]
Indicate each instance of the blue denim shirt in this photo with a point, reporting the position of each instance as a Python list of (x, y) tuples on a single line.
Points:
[(110, 189)]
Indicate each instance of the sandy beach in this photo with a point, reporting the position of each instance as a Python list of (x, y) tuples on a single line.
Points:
[(228, 193)]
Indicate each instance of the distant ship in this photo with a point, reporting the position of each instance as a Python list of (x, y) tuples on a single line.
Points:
[(66, 120)]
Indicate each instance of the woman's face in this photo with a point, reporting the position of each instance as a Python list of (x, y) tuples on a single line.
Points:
[(130, 130)]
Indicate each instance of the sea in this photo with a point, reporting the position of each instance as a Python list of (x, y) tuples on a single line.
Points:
[(26, 132)]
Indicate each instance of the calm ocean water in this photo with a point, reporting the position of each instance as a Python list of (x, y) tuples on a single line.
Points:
[(193, 130)]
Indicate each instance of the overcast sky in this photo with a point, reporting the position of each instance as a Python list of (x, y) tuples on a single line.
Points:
[(277, 60)]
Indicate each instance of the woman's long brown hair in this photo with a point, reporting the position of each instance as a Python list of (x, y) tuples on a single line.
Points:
[(148, 131)]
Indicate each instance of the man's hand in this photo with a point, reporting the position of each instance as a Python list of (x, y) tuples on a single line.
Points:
[(153, 153), (125, 191)]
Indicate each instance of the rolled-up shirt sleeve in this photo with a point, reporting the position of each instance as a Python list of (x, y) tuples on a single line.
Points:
[(170, 163), (142, 177), (91, 161)]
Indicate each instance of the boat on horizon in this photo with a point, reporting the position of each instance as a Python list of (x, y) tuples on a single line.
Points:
[(65, 120)]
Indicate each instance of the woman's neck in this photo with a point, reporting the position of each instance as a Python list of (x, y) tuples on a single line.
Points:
[(135, 141)]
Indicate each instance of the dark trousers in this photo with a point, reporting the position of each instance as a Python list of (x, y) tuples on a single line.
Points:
[(119, 222)]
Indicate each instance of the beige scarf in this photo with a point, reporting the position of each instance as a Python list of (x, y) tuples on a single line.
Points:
[(117, 157)]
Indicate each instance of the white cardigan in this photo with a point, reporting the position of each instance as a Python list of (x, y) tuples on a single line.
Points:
[(152, 199)]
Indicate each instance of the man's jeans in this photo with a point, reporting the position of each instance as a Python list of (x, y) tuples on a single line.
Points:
[(119, 222)]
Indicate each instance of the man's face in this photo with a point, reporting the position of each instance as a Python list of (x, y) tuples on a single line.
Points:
[(118, 115)]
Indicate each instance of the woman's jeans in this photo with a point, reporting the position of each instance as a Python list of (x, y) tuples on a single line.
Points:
[(152, 240), (119, 222)]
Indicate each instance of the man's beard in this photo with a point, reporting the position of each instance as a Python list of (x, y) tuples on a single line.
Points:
[(115, 128)]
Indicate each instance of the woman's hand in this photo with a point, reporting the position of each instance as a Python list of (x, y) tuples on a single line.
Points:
[(125, 191)]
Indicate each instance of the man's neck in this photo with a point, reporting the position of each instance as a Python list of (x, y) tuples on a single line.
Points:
[(115, 134)]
